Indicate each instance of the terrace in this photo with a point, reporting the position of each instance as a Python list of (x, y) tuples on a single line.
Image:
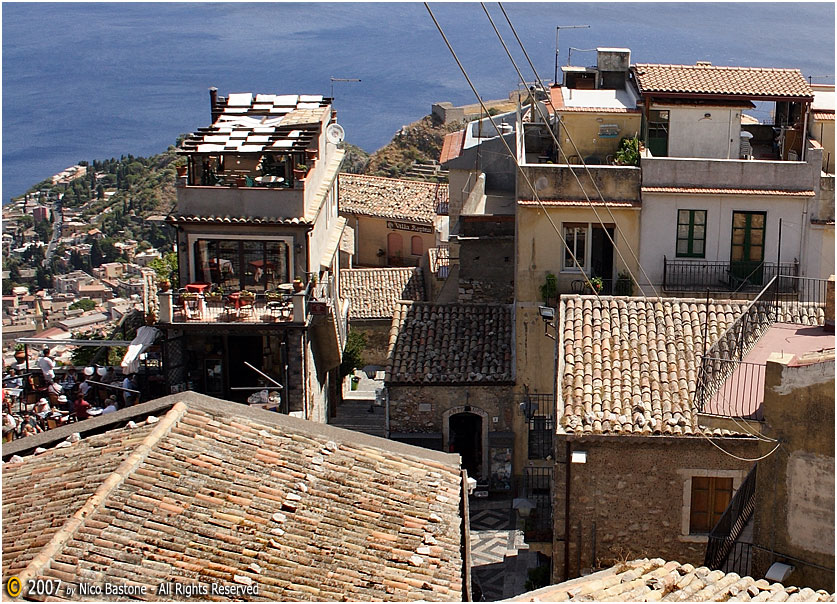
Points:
[(789, 316)]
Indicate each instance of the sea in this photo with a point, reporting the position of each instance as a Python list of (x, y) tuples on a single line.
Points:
[(85, 81)]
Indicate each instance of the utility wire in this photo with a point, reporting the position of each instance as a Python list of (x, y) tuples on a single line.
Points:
[(558, 146), (549, 100), (508, 148)]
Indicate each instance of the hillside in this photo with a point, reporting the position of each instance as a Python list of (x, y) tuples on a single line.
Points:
[(420, 141)]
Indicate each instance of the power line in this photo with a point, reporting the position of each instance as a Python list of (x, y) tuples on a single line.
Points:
[(583, 163), (508, 148)]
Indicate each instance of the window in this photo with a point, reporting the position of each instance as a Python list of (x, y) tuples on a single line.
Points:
[(691, 233), (415, 245), (249, 264), (575, 236), (710, 497)]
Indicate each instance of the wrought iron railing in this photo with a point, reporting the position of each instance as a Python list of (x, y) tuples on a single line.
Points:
[(740, 392), (440, 265), (786, 299), (537, 488), (700, 275), (232, 308), (723, 535)]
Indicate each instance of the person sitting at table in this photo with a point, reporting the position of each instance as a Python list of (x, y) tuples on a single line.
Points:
[(112, 406), (63, 402), (81, 407), (42, 408), (29, 429), (12, 379), (110, 376), (69, 380)]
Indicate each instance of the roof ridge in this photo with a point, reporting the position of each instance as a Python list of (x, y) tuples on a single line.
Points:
[(97, 499), (380, 268), (738, 67)]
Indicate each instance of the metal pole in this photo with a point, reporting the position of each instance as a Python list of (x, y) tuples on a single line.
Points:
[(264, 375), (558, 28)]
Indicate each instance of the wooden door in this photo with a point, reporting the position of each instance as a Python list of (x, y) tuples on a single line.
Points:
[(747, 251)]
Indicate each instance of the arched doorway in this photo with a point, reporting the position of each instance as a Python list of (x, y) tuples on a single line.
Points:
[(466, 439)]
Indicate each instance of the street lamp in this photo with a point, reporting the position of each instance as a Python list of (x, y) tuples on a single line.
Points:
[(557, 31)]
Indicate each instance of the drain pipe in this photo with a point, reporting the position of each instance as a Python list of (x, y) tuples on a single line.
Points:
[(386, 414), (567, 513)]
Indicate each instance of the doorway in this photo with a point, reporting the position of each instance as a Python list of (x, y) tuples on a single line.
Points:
[(243, 349), (395, 249), (466, 440), (601, 256), (747, 251)]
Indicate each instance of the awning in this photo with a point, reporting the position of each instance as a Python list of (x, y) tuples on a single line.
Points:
[(145, 337), (333, 241)]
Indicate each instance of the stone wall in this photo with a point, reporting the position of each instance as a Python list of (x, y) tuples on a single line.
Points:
[(377, 339), (631, 498), (486, 270), (794, 513)]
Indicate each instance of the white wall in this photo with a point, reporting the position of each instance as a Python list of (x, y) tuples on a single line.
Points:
[(691, 134), (819, 252), (658, 227)]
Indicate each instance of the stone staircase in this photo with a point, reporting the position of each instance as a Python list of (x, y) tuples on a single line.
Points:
[(353, 414), (431, 171)]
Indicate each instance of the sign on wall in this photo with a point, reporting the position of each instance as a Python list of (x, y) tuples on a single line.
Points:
[(406, 226)]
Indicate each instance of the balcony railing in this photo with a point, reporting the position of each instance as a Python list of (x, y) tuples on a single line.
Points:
[(785, 299), (440, 261), (699, 275), (541, 429), (177, 307), (722, 538)]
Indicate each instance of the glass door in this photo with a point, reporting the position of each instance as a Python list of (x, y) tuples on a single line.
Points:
[(747, 252)]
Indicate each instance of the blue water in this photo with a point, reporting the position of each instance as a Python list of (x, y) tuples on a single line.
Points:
[(93, 81)]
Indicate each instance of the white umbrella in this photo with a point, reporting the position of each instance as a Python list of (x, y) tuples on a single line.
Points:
[(145, 337)]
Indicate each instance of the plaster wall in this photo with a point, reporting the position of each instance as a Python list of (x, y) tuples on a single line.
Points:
[(658, 234), (377, 339), (323, 225), (819, 251), (583, 129), (541, 251), (632, 497), (371, 235), (794, 512), (552, 181), (692, 134), (728, 173), (823, 131)]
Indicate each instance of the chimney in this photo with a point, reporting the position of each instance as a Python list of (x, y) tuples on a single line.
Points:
[(213, 101)]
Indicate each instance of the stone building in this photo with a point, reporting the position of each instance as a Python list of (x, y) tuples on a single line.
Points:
[(639, 471), (374, 293), (395, 220), (449, 379)]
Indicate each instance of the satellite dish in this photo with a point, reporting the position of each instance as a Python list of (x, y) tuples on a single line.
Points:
[(335, 134)]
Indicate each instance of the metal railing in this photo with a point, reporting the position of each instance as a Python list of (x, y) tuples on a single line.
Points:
[(786, 299), (699, 275), (537, 488), (230, 308), (723, 535), (441, 264)]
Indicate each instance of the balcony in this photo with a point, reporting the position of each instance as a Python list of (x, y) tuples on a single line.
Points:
[(236, 309), (734, 277)]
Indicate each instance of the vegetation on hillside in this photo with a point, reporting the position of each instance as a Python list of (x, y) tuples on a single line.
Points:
[(420, 141)]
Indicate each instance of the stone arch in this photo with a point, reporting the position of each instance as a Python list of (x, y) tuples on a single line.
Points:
[(446, 417)]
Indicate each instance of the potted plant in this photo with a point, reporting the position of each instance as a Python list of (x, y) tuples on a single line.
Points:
[(20, 353), (181, 171), (216, 294), (595, 284), (300, 171), (163, 284), (311, 154), (549, 289)]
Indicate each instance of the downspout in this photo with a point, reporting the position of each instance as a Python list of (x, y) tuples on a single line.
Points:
[(567, 513), (386, 414), (805, 130)]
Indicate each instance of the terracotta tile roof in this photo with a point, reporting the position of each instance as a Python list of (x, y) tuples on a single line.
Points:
[(824, 116), (452, 146), (397, 198), (581, 203), (749, 82), (657, 580), (722, 191), (374, 291), (450, 343), (221, 493), (630, 365), (251, 220)]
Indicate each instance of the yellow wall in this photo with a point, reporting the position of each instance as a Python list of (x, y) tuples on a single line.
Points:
[(371, 236), (583, 128), (823, 131)]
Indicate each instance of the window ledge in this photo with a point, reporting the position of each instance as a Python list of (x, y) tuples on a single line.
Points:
[(693, 538)]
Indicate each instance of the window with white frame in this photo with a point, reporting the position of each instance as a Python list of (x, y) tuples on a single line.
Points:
[(575, 236)]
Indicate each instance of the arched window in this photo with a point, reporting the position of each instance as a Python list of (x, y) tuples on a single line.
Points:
[(415, 245)]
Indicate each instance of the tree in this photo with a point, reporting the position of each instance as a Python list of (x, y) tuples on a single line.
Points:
[(97, 256), (43, 278), (166, 268), (84, 304), (353, 353)]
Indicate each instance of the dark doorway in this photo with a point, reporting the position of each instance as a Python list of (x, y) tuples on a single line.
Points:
[(601, 256), (243, 349), (466, 439), (747, 253)]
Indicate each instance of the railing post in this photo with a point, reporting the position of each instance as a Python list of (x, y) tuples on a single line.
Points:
[(665, 266)]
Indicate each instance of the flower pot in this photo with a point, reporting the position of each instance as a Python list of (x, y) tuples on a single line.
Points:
[(181, 171), (298, 285), (311, 154), (299, 174), (163, 285), (241, 182), (20, 356)]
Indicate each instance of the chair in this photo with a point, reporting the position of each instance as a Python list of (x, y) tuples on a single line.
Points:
[(577, 286)]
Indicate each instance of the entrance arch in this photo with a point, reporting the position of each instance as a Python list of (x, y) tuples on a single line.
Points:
[(465, 431)]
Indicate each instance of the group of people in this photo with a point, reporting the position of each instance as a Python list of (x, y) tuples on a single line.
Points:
[(74, 397)]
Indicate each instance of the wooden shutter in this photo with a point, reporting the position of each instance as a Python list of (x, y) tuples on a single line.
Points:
[(710, 497)]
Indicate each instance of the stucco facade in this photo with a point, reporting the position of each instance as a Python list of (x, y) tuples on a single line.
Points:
[(374, 235), (794, 514)]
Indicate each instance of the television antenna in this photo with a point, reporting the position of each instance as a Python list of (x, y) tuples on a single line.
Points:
[(558, 29), (333, 80)]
